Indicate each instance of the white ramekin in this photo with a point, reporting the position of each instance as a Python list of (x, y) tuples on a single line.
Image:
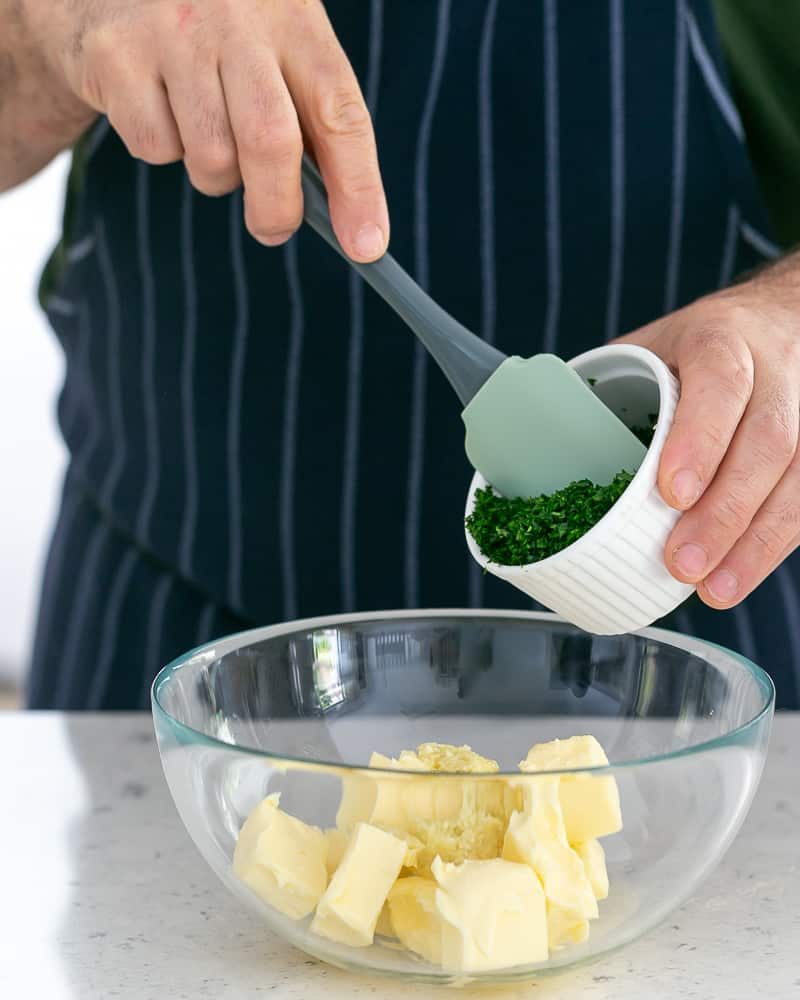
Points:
[(612, 579)]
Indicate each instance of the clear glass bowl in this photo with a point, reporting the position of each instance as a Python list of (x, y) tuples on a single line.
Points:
[(298, 708)]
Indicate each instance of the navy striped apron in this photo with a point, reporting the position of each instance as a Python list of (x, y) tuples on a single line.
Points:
[(254, 436)]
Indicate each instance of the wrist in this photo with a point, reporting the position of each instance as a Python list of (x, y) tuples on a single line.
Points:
[(48, 102), (39, 113)]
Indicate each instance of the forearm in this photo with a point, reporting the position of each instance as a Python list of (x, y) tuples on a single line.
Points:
[(39, 116)]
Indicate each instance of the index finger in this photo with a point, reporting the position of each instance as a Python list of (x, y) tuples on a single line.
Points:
[(335, 119), (716, 375)]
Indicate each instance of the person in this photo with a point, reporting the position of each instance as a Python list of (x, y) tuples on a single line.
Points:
[(254, 437)]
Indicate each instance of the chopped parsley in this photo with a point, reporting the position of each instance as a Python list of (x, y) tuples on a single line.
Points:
[(515, 531)]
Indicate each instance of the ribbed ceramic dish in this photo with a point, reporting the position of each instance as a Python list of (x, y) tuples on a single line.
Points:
[(613, 579)]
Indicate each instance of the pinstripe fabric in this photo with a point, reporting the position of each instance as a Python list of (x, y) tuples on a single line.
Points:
[(422, 273), (58, 574), (155, 629), (487, 227), (683, 621), (114, 367), (617, 128), (78, 634), (189, 517), (679, 119), (60, 307), (349, 538), (205, 624), (255, 436), (787, 587), (149, 403), (69, 411), (729, 248), (242, 318), (110, 630), (91, 438), (745, 633), (552, 174), (717, 89), (763, 246), (79, 250), (485, 144), (289, 453)]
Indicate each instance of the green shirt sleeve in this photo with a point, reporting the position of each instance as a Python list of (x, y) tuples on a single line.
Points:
[(761, 39)]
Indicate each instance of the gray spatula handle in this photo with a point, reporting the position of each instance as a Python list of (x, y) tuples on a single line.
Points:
[(465, 359)]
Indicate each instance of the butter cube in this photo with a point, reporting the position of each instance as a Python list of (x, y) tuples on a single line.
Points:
[(593, 857), (282, 859), (445, 757), (442, 798), (371, 800), (415, 917), (348, 911), (384, 924), (565, 927), (474, 834), (337, 845), (493, 915), (577, 751), (537, 838), (440, 815), (589, 803), (561, 871), (473, 917)]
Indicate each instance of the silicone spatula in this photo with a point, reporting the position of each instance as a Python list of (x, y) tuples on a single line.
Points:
[(532, 424)]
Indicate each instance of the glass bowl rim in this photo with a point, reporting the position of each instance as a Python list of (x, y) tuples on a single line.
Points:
[(239, 639)]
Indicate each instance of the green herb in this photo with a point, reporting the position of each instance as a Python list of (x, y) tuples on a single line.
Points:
[(592, 381), (515, 531)]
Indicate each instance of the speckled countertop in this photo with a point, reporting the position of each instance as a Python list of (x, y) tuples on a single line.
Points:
[(103, 895)]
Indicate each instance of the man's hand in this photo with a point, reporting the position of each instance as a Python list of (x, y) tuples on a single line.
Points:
[(731, 459), (232, 89)]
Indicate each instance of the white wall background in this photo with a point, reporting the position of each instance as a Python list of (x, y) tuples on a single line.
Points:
[(31, 452)]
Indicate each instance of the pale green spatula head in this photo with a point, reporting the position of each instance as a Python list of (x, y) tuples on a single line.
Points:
[(535, 426)]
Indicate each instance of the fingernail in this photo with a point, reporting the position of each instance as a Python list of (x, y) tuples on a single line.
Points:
[(685, 487), (369, 241), (691, 560), (722, 585)]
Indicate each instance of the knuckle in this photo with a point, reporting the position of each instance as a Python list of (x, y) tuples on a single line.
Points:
[(93, 89), (363, 188), (769, 539), (146, 141), (342, 113), (785, 513), (211, 125), (274, 140), (97, 69), (775, 440), (710, 441), (99, 45), (732, 514), (724, 355), (100, 50), (778, 421)]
